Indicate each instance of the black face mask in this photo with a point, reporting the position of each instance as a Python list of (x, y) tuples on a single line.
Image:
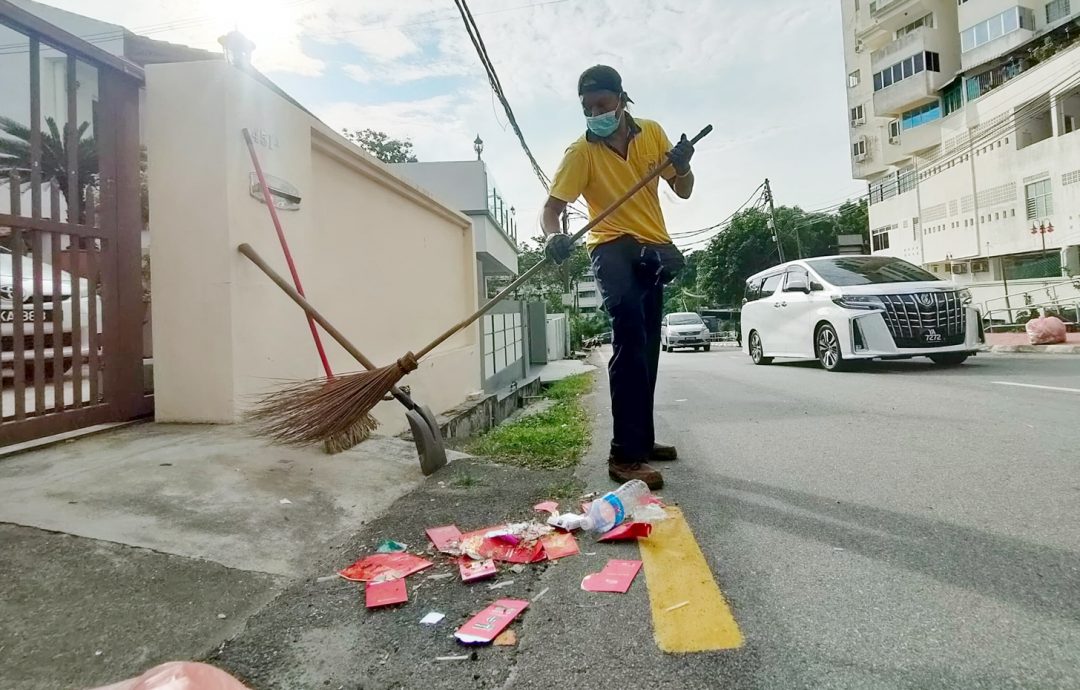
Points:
[(660, 264)]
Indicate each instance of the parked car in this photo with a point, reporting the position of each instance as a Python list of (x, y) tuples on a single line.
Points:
[(684, 329), (841, 308), (7, 316)]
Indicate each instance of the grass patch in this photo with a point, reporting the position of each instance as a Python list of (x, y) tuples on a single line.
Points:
[(465, 481), (553, 439)]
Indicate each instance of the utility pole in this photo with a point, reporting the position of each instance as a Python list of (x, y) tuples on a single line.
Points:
[(772, 224)]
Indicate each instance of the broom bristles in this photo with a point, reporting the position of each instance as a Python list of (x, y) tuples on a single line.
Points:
[(324, 411)]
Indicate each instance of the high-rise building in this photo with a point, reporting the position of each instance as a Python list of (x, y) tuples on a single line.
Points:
[(963, 118)]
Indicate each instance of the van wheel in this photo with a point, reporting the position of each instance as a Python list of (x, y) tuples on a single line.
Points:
[(827, 348), (707, 348), (757, 352), (663, 347)]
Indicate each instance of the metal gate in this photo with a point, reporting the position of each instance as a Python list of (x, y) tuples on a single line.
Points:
[(71, 218)]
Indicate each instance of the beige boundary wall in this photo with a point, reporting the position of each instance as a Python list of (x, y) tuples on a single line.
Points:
[(387, 264)]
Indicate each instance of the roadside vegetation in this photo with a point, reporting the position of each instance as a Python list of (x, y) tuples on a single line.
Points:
[(554, 438)]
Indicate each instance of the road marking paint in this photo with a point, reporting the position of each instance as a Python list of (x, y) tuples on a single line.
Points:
[(1032, 385), (689, 611)]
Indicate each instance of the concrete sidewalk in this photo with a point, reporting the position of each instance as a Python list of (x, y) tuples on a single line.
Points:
[(1019, 342), (156, 542)]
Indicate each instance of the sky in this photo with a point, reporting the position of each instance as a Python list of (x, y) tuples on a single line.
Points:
[(767, 74)]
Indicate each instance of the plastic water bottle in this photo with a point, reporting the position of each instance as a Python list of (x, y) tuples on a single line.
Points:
[(611, 509)]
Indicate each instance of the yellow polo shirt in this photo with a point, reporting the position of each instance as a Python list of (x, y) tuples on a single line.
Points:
[(592, 169)]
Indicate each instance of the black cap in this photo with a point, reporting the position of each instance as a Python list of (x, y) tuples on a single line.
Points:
[(599, 78)]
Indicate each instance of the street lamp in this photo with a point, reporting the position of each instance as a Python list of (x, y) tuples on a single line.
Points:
[(1042, 229), (478, 146)]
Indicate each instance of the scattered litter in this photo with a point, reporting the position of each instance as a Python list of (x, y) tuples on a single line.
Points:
[(588, 553), (500, 585), (385, 566), (463, 657), (542, 593), (650, 512), (567, 521), (508, 638), (98, 653), (327, 578), (472, 571), (285, 502), (485, 626), (628, 530), (446, 539), (681, 400), (222, 616), (615, 577), (837, 548), (675, 607), (432, 618), (560, 545), (479, 546), (517, 568), (548, 507), (385, 593), (439, 576), (390, 546)]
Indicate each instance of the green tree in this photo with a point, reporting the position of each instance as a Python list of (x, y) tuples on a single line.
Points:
[(380, 145), (15, 156)]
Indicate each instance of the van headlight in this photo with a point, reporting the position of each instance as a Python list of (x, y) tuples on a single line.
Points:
[(965, 297), (864, 302)]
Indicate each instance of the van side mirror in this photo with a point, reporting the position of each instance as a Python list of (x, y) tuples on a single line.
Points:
[(816, 286)]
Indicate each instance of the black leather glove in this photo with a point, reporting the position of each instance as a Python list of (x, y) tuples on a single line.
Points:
[(558, 248), (681, 154)]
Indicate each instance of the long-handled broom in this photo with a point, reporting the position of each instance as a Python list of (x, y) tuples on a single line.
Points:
[(360, 426), (314, 411)]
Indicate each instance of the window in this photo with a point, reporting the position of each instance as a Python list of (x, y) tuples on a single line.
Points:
[(904, 69), (853, 79), (868, 270), (952, 98), (858, 148), (1000, 25), (858, 115), (1058, 9), (797, 274), (753, 291), (1040, 200), (879, 238), (771, 283), (920, 116), (933, 62), (927, 21), (894, 130)]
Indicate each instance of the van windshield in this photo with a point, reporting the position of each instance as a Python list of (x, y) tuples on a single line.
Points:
[(869, 270), (684, 319)]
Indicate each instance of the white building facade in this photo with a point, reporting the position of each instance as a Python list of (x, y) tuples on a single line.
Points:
[(963, 118)]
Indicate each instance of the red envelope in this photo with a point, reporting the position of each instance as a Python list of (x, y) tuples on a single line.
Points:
[(385, 566), (476, 570), (501, 551), (615, 577), (559, 545), (548, 507), (385, 593), (444, 537), (485, 626), (628, 530)]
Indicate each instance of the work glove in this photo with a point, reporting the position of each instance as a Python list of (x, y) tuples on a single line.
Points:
[(558, 248), (681, 154)]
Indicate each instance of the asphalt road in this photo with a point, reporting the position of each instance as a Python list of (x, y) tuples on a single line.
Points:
[(899, 526), (902, 525)]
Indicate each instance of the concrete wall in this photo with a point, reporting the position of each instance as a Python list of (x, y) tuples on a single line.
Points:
[(386, 263), (459, 184)]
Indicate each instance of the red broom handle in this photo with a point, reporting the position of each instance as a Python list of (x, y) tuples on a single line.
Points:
[(285, 248)]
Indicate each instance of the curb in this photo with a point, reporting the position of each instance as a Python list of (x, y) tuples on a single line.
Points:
[(1065, 349)]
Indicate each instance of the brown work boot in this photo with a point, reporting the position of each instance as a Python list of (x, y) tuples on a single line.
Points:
[(663, 453), (638, 470)]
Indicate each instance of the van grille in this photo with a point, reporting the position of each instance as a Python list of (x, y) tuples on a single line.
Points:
[(912, 318)]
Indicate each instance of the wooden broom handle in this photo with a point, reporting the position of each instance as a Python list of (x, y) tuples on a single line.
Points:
[(527, 275)]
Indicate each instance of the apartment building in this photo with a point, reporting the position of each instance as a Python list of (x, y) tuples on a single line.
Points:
[(963, 119)]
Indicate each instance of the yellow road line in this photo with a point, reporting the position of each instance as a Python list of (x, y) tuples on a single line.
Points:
[(689, 611)]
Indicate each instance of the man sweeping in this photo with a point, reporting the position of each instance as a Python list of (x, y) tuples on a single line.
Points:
[(632, 254)]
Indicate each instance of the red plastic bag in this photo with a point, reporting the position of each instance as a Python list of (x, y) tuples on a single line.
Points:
[(180, 675), (1046, 330)]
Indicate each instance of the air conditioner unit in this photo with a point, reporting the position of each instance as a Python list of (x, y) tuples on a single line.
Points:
[(894, 140), (958, 269), (859, 46), (859, 157), (980, 266)]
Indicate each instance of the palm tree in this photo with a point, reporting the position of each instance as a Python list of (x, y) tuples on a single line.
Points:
[(15, 155)]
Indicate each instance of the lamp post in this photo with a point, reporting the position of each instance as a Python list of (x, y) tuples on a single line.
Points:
[(478, 146), (1043, 228)]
